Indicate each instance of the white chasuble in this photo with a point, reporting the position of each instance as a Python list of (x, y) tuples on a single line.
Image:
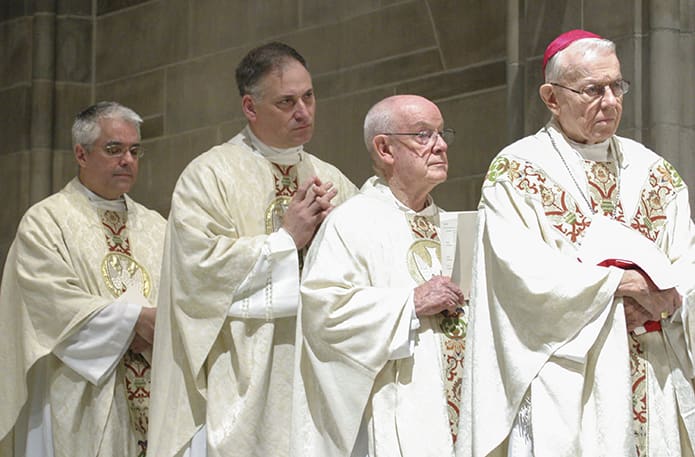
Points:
[(546, 328), (218, 363), (356, 386), (63, 271)]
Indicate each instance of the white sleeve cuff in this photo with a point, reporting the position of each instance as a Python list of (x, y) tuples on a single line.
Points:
[(97, 347), (403, 343), (271, 290)]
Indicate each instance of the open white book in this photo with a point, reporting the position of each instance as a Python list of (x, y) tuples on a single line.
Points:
[(607, 239), (457, 237)]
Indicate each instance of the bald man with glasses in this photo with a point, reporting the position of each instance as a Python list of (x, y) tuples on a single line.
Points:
[(580, 334), (381, 331)]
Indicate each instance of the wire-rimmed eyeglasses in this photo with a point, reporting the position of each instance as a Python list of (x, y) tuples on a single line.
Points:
[(425, 137), (619, 88), (118, 150)]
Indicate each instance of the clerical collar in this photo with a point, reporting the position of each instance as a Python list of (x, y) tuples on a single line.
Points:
[(289, 156), (100, 202), (383, 188), (597, 152)]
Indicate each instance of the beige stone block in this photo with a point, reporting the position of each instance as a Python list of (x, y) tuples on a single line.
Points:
[(164, 160), (315, 12), (141, 38), (143, 93), (338, 136), (610, 21), (630, 64), (43, 47), (665, 140), (42, 98), (375, 74), (225, 24), (202, 92), (73, 49), (228, 130), (15, 52), (459, 194), (15, 119), (70, 99), (456, 82), (64, 168), (401, 29), (41, 6), (686, 162), (152, 127), (665, 95), (12, 169), (470, 31), (109, 6), (546, 19), (480, 124), (664, 14), (12, 10), (75, 7), (687, 62), (536, 114)]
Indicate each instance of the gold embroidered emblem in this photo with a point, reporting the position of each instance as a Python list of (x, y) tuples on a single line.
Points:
[(121, 272), (423, 260), (275, 212)]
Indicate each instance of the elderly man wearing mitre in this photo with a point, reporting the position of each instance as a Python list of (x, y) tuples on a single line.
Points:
[(380, 330), (579, 340), (76, 304)]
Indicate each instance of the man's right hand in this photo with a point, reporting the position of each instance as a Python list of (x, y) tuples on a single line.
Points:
[(308, 208), (653, 300), (436, 295)]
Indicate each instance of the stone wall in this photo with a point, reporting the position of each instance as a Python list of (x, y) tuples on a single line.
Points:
[(173, 61)]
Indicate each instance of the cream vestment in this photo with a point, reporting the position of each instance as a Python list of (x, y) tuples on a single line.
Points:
[(67, 385), (224, 344), (371, 377), (550, 365)]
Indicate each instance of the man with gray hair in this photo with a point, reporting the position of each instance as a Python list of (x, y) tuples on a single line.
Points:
[(76, 304), (241, 217), (581, 331), (380, 335)]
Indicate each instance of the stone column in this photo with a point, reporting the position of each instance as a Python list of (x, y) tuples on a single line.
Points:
[(42, 100), (516, 98)]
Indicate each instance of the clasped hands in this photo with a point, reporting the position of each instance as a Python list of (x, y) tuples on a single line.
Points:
[(308, 208), (438, 294), (643, 301)]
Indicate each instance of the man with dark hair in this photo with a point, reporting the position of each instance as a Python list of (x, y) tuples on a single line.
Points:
[(580, 339), (241, 215), (76, 304)]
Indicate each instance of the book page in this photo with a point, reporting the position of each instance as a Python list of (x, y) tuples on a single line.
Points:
[(457, 237)]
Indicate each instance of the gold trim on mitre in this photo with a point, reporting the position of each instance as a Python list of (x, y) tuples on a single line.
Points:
[(122, 272), (275, 212), (424, 260)]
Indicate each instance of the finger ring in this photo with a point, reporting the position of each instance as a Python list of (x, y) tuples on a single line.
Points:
[(664, 315)]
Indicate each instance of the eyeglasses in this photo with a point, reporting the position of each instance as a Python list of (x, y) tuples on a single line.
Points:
[(425, 137), (118, 150), (619, 88)]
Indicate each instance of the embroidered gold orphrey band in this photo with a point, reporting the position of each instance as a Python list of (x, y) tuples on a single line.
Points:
[(120, 272), (286, 185), (424, 262)]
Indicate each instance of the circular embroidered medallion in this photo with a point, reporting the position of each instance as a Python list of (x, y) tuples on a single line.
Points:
[(423, 260), (275, 212), (121, 272), (455, 325)]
